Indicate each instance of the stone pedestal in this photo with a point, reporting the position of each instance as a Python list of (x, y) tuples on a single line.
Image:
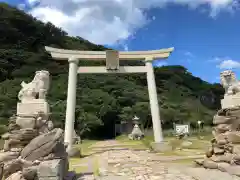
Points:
[(52, 170), (33, 108), (230, 101), (161, 147)]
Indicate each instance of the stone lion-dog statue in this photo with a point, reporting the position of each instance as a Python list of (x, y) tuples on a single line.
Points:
[(36, 89), (230, 82)]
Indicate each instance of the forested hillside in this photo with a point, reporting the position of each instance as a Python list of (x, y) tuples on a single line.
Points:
[(101, 99)]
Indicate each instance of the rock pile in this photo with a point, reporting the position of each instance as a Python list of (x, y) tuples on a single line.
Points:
[(224, 153), (27, 150), (33, 149)]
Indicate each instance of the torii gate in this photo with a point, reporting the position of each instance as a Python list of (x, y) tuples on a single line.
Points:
[(112, 66)]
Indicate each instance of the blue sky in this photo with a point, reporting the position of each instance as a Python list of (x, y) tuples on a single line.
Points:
[(204, 33)]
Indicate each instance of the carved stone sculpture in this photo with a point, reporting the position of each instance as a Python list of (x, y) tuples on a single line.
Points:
[(31, 142), (232, 89), (36, 89), (229, 82)]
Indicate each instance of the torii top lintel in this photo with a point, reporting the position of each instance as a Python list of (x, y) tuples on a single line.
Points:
[(63, 54)]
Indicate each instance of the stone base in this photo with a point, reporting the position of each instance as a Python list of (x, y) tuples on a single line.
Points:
[(52, 170), (230, 101), (32, 108), (161, 147), (74, 152), (26, 122)]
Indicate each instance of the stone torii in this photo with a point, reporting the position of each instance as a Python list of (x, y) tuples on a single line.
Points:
[(112, 59)]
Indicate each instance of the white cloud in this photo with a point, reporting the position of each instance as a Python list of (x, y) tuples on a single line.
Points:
[(229, 64), (188, 54), (109, 21), (21, 6), (216, 60), (159, 63)]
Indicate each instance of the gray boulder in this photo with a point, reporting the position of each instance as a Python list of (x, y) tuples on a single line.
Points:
[(42, 145)]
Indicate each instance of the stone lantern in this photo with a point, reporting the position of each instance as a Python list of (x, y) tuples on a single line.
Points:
[(136, 133)]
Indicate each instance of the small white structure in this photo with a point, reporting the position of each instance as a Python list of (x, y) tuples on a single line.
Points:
[(181, 129), (112, 66)]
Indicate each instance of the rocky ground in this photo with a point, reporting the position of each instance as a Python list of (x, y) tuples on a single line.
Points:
[(111, 160)]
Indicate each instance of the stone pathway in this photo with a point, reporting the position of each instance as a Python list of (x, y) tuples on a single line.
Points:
[(116, 163)]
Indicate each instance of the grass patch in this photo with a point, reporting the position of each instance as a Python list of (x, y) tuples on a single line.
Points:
[(85, 150), (96, 171), (77, 169), (85, 147)]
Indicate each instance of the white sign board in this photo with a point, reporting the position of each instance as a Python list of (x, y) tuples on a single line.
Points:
[(181, 128)]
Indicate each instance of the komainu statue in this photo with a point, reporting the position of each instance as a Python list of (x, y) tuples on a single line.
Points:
[(36, 89), (229, 82)]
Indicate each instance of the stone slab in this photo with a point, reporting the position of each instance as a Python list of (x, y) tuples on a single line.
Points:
[(26, 122), (161, 147), (52, 169), (32, 108), (50, 178), (230, 101)]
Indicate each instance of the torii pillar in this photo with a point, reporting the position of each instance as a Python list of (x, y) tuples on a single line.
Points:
[(153, 99), (71, 102)]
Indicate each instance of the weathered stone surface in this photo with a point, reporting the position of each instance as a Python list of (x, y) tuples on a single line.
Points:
[(23, 134), (210, 164), (221, 120), (26, 122), (12, 127), (42, 145), (13, 143), (222, 128), (16, 150), (223, 158), (7, 156), (233, 170), (12, 167), (30, 173), (12, 124), (16, 176), (233, 136), (220, 139), (52, 168), (218, 150), (58, 152)]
